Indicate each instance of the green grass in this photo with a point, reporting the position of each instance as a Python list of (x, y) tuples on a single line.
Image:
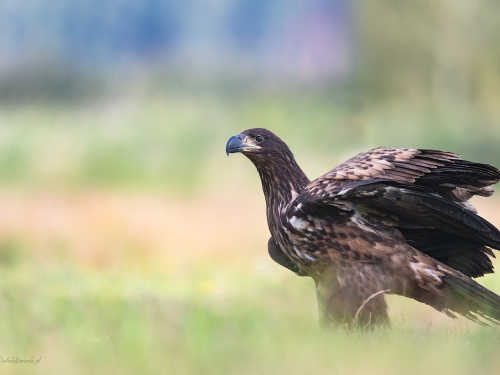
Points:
[(219, 320)]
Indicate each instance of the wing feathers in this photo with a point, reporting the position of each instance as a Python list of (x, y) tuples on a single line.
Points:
[(443, 171), (429, 187), (414, 167), (437, 212)]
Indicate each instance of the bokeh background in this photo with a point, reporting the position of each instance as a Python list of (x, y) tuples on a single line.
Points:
[(130, 243)]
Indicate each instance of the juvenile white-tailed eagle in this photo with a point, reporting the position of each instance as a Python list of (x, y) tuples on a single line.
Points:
[(394, 221)]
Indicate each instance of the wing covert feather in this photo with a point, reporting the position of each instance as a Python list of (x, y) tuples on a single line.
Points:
[(443, 172)]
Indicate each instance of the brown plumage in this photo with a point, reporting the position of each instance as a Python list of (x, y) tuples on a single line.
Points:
[(388, 220)]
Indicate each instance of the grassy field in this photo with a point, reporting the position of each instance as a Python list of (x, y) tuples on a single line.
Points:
[(100, 282), (130, 244)]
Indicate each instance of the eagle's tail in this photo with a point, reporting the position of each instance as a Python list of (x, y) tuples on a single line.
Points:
[(470, 299), (451, 292)]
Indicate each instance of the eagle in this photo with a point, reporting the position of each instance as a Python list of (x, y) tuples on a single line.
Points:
[(386, 221)]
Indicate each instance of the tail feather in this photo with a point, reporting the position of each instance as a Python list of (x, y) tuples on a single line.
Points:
[(472, 300)]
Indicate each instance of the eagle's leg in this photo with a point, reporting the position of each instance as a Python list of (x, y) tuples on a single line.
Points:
[(349, 304), (331, 305)]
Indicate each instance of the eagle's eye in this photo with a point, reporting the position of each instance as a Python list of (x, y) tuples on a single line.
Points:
[(259, 139)]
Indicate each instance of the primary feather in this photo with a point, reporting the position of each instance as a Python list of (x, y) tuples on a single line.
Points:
[(385, 221)]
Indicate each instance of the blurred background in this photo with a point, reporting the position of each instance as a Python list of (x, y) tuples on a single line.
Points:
[(129, 242)]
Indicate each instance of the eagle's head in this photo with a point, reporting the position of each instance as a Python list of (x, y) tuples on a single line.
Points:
[(281, 177), (257, 141)]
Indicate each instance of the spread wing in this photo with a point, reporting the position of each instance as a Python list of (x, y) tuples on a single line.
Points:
[(455, 179), (427, 191)]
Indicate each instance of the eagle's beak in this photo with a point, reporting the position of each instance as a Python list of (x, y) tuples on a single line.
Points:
[(235, 144), (239, 143)]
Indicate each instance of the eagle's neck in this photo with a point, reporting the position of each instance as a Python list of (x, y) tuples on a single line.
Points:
[(282, 180)]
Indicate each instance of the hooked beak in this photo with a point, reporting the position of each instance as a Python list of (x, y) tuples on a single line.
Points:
[(239, 143)]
